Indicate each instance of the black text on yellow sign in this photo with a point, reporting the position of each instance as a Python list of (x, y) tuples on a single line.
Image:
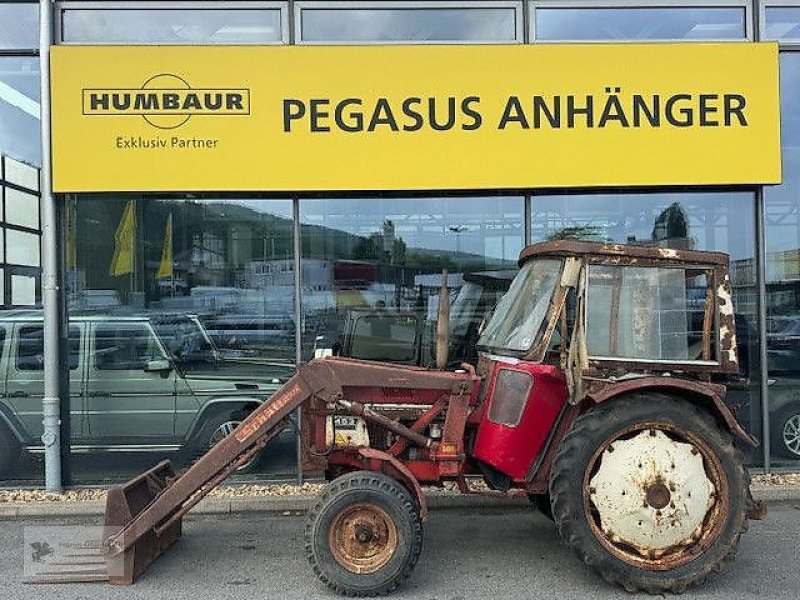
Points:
[(408, 117)]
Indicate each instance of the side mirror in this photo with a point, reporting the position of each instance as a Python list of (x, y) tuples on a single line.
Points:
[(158, 365)]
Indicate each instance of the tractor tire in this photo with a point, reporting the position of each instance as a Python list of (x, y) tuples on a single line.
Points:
[(622, 485), (364, 536), (785, 432), (541, 502)]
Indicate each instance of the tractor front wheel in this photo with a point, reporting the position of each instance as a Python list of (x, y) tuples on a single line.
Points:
[(650, 492), (364, 536)]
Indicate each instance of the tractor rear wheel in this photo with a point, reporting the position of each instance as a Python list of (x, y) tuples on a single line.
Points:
[(650, 492), (364, 536)]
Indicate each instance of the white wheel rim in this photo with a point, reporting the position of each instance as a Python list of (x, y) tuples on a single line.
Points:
[(791, 434), (652, 493)]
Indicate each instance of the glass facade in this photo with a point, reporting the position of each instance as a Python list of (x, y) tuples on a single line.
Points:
[(638, 24), (183, 299), (368, 257), (172, 26), (783, 276), (414, 25)]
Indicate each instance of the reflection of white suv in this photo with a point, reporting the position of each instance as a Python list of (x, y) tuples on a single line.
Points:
[(130, 390)]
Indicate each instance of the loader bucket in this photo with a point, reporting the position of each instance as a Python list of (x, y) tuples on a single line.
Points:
[(123, 504), (94, 560)]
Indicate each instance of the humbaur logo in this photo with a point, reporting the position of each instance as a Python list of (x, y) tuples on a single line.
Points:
[(166, 101)]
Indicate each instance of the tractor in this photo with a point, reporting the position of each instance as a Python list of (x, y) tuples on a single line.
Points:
[(599, 392)]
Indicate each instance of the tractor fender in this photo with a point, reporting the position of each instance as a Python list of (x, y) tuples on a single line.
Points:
[(712, 394), (389, 465)]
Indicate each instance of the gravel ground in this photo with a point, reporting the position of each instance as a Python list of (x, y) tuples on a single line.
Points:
[(307, 489)]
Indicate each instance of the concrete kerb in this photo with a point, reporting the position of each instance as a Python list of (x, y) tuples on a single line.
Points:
[(437, 500)]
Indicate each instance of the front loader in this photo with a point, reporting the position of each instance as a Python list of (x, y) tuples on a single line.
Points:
[(599, 392)]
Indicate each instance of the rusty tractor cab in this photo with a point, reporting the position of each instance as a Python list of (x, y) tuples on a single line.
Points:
[(598, 392)]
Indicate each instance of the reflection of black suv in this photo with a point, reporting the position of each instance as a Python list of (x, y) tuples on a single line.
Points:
[(406, 336), (131, 389)]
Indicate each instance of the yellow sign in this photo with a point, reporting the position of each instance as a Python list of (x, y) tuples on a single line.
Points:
[(299, 118)]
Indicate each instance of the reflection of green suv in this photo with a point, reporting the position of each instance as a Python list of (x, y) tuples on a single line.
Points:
[(129, 388)]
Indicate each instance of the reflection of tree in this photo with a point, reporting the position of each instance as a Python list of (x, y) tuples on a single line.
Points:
[(381, 246), (672, 223), (577, 232)]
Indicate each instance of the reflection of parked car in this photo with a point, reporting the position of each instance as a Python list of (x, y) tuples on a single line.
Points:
[(126, 393), (406, 337), (784, 404), (237, 332), (783, 344)]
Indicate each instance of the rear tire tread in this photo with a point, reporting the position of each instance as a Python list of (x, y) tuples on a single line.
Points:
[(588, 427)]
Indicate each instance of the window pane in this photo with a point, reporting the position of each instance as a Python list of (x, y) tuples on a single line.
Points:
[(21, 174), (380, 260), (19, 109), (408, 25), (723, 221), (23, 290), (19, 26), (782, 23), (30, 349), (22, 248), (22, 209), (587, 24), (665, 307), (176, 26), (211, 286), (782, 206), (124, 347)]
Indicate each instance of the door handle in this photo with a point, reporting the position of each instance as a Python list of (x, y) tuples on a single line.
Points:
[(17, 394), (97, 394)]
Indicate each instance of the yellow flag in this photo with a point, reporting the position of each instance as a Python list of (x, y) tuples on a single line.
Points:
[(165, 268), (124, 240)]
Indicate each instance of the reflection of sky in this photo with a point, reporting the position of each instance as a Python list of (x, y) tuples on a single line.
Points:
[(782, 23), (675, 23), (437, 24), (482, 226), (717, 221), (19, 109), (277, 207), (172, 26), (782, 203), (19, 25)]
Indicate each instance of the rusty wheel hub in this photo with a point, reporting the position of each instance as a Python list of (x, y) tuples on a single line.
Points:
[(653, 496), (363, 538)]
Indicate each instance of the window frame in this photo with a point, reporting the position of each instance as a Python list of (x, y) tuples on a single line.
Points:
[(533, 5), (61, 7), (301, 5), (711, 274)]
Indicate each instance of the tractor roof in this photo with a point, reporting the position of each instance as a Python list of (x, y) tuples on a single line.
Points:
[(630, 254)]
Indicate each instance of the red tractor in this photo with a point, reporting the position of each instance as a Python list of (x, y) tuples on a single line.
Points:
[(599, 392)]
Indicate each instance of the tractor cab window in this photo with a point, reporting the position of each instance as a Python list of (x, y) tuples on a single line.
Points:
[(649, 313), (518, 317)]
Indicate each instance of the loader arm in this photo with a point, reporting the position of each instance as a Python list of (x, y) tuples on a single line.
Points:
[(143, 516)]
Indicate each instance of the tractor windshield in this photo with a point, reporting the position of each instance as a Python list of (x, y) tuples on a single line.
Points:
[(519, 314)]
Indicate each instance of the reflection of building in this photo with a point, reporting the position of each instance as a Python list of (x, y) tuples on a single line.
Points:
[(20, 233)]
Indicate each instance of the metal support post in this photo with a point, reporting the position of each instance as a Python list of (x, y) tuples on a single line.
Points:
[(52, 291)]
